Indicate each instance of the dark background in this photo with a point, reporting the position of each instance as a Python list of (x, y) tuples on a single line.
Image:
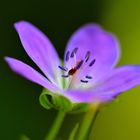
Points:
[(20, 111)]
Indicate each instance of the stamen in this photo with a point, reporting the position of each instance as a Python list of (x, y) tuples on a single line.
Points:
[(79, 65), (84, 81), (92, 62), (88, 77), (62, 68), (87, 56), (74, 52), (67, 56), (65, 76)]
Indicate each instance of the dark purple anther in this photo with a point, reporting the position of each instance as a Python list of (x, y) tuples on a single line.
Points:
[(88, 77), (79, 65), (91, 63), (87, 56), (74, 52), (84, 81), (62, 68), (65, 76), (67, 56)]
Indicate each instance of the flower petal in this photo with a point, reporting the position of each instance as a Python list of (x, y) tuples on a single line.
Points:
[(103, 47), (80, 95), (119, 80), (85, 96), (39, 48), (29, 73)]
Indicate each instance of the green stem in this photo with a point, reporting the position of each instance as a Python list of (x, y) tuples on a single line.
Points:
[(86, 122), (56, 126)]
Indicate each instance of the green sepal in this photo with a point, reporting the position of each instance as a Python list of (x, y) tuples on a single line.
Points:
[(80, 107), (45, 99), (57, 101), (53, 100)]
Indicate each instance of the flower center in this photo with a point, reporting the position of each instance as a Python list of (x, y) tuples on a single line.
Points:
[(76, 73)]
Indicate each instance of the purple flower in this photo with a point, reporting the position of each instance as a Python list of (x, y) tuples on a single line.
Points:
[(88, 73)]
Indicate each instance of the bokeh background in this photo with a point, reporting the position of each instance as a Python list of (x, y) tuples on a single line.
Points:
[(20, 111)]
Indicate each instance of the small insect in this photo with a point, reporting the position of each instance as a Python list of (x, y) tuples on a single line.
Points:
[(72, 71)]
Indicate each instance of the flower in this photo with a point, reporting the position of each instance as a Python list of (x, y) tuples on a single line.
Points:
[(88, 73)]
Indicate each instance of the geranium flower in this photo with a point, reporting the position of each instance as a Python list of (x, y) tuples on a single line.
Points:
[(88, 73)]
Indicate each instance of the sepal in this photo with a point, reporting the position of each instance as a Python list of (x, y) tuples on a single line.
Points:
[(58, 101), (53, 100), (79, 107)]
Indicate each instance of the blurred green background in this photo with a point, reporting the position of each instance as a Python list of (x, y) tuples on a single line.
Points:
[(19, 105)]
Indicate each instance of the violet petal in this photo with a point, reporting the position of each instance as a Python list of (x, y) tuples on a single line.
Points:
[(30, 74), (39, 48), (103, 47), (119, 80), (83, 96)]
